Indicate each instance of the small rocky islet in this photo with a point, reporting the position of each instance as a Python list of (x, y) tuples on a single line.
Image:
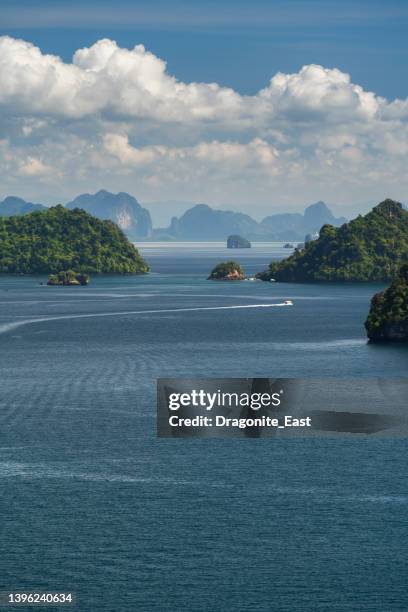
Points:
[(227, 271), (68, 278), (237, 242)]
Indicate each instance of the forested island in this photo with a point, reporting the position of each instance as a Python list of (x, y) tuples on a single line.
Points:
[(388, 316), (369, 248), (227, 270), (59, 239), (68, 278), (237, 242)]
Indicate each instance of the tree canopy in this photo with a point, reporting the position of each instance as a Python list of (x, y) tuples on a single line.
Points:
[(227, 270), (369, 248), (388, 316), (58, 239)]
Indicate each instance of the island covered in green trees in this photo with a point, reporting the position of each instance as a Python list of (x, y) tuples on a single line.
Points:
[(58, 239), (369, 248), (68, 278), (227, 270), (388, 316)]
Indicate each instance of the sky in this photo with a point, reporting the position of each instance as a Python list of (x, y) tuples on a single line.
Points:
[(261, 106)]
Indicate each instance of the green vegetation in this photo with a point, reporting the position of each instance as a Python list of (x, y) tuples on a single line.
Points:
[(68, 278), (388, 316), (58, 240), (369, 248), (227, 270)]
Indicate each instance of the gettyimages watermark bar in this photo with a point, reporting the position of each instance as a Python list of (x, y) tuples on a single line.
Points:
[(281, 407)]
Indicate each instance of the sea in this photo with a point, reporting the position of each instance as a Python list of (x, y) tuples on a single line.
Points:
[(93, 503)]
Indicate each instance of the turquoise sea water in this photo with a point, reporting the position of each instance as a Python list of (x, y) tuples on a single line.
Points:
[(91, 501)]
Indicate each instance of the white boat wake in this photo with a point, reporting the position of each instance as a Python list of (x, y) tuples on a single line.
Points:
[(6, 327)]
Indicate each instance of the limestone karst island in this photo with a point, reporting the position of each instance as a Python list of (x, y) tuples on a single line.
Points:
[(58, 239), (388, 316), (237, 242), (369, 248), (227, 271)]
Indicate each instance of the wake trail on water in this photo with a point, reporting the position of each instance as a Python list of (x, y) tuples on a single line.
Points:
[(6, 327)]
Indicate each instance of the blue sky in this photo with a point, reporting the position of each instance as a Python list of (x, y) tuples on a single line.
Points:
[(236, 43), (259, 106)]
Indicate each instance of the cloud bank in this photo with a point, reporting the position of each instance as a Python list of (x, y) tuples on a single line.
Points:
[(116, 118)]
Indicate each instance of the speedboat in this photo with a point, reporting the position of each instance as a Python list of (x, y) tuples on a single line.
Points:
[(288, 303)]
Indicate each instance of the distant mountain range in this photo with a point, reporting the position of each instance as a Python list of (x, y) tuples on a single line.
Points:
[(294, 226), (204, 223), (17, 206), (201, 222)]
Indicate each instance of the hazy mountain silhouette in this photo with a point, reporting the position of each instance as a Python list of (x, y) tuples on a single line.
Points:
[(201, 222), (17, 206), (121, 208)]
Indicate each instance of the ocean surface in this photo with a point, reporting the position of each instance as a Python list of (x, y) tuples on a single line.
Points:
[(92, 502)]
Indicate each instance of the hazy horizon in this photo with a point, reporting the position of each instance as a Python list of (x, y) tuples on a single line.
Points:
[(162, 212)]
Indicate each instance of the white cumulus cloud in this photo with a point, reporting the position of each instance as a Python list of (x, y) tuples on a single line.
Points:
[(115, 117)]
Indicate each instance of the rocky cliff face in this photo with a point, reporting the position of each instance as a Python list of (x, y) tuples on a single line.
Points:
[(121, 208), (317, 215)]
